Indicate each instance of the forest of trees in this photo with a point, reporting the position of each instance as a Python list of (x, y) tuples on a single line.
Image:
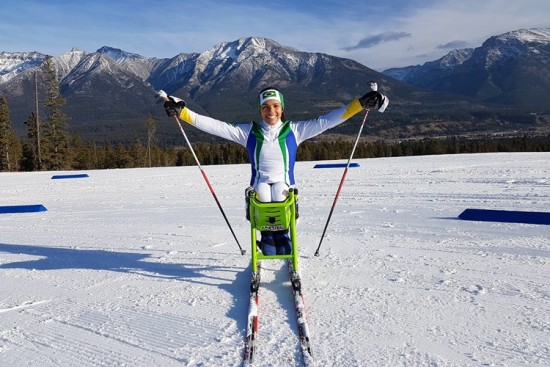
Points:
[(49, 145)]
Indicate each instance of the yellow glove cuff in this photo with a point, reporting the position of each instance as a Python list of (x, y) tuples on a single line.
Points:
[(353, 109), (186, 116)]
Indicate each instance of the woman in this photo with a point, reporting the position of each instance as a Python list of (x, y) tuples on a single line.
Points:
[(272, 144)]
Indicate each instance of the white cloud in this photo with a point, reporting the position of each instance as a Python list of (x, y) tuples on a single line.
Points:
[(468, 21)]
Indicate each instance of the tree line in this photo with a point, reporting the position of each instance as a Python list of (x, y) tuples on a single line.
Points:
[(49, 145)]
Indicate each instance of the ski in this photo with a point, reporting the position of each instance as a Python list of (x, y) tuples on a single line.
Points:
[(304, 335), (253, 318)]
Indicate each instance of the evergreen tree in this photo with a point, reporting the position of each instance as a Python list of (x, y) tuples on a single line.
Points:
[(56, 148), (16, 151), (31, 150), (10, 151), (83, 154), (141, 156)]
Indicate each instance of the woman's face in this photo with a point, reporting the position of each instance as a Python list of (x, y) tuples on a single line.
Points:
[(271, 111)]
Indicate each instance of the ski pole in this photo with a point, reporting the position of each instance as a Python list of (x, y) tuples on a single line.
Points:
[(164, 96), (341, 183)]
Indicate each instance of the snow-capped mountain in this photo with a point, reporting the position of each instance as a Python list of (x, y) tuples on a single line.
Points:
[(515, 45), (512, 68), (112, 86), (15, 63), (109, 92), (444, 65), (136, 64), (237, 70)]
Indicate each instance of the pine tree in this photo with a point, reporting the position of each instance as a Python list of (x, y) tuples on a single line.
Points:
[(139, 154), (83, 154), (31, 156), (9, 153), (57, 151)]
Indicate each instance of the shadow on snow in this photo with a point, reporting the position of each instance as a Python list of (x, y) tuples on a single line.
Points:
[(57, 258)]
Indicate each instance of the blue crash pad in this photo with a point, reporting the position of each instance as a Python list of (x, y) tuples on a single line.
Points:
[(508, 216), (22, 209), (335, 165), (79, 175)]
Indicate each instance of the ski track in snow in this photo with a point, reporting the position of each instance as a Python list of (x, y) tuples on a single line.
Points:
[(136, 267)]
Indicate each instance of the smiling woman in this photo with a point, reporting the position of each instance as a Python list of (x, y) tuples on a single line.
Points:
[(272, 145)]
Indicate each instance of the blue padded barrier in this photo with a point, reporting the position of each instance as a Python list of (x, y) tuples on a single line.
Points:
[(22, 209), (508, 216), (335, 165), (79, 175)]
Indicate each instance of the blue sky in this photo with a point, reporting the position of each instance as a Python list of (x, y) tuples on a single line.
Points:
[(378, 34)]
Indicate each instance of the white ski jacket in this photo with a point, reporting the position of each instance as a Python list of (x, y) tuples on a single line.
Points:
[(272, 149)]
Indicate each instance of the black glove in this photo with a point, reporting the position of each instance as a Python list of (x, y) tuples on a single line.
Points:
[(173, 107), (372, 100)]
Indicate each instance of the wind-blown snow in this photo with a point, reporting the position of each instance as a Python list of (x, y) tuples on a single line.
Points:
[(136, 267)]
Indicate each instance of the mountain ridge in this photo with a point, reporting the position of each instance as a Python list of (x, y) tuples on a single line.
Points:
[(509, 69), (110, 91)]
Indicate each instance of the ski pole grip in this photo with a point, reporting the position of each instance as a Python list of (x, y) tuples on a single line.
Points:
[(162, 94)]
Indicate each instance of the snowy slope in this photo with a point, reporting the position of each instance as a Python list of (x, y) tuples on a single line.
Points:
[(136, 267)]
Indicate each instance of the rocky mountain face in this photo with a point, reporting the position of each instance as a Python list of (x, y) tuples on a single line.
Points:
[(225, 80), (511, 69), (110, 92), (425, 75)]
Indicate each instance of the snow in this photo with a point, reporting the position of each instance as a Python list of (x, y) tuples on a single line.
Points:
[(15, 63), (538, 35), (137, 267)]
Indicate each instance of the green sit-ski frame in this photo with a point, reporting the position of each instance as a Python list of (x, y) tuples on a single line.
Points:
[(274, 216)]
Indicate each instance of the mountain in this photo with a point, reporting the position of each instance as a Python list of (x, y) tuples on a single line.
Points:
[(429, 73), (226, 79), (109, 92), (15, 63), (511, 69)]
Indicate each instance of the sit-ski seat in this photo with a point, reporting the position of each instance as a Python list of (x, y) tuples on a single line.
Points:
[(274, 216)]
